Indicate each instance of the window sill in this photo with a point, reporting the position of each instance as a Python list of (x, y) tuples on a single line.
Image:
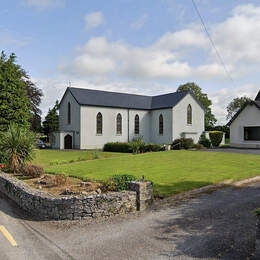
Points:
[(99, 134), (118, 134), (189, 124)]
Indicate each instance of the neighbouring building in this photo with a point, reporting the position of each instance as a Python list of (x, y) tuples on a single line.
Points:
[(90, 118), (245, 125)]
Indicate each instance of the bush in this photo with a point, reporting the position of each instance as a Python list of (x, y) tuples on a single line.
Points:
[(17, 145), (198, 146), (108, 185), (118, 147), (138, 145), (33, 171), (153, 148), (61, 180), (121, 181), (204, 141), (215, 138), (182, 143)]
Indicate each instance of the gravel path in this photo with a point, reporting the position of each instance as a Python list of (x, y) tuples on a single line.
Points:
[(218, 225)]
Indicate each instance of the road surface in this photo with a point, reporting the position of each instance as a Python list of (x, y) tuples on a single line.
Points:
[(219, 225)]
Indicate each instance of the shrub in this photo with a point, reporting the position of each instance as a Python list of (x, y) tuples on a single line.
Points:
[(215, 138), (108, 185), (204, 141), (121, 181), (198, 146), (182, 143), (118, 147), (153, 148), (17, 145), (34, 171), (138, 145)]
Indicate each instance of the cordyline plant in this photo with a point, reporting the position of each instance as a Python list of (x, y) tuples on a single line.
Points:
[(17, 143)]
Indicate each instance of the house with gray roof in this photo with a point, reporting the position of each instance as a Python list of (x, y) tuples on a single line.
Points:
[(90, 118), (245, 125)]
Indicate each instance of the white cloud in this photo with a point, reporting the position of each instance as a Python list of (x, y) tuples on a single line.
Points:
[(139, 23), (8, 39), (93, 20), (44, 3), (221, 98)]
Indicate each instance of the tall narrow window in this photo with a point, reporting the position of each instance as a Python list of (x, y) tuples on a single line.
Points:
[(99, 123), (189, 115), (137, 125), (161, 124), (118, 124), (69, 113)]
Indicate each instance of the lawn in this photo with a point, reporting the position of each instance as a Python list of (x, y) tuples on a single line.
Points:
[(172, 172), (47, 158)]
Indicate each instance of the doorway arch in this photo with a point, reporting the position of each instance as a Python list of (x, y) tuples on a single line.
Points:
[(68, 142)]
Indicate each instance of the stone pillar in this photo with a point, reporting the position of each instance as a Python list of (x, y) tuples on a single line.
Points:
[(144, 193)]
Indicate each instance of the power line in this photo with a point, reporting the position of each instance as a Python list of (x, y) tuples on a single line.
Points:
[(212, 42)]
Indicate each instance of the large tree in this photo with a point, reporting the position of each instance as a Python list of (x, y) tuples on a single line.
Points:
[(210, 119), (51, 123), (35, 95), (14, 102), (235, 105)]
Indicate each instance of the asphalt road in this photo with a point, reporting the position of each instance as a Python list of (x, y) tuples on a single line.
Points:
[(219, 225)]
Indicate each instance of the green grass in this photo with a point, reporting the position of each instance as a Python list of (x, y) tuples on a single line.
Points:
[(172, 172), (47, 158)]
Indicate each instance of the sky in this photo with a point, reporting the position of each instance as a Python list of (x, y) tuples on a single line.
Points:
[(143, 47)]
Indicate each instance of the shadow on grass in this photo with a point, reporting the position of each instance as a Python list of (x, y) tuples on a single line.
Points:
[(161, 191), (220, 225)]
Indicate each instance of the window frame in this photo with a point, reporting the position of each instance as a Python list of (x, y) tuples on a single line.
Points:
[(119, 124), (246, 134), (189, 115), (99, 123), (137, 125), (161, 124), (69, 113)]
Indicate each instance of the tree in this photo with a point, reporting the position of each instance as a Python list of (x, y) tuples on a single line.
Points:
[(35, 95), (14, 102), (210, 119), (235, 105), (51, 123)]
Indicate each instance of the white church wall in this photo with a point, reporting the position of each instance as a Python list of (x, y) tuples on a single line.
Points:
[(179, 118)]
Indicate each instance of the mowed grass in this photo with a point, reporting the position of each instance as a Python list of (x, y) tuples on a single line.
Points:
[(46, 158), (172, 172)]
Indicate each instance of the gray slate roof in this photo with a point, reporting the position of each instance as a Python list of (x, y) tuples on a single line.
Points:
[(121, 100)]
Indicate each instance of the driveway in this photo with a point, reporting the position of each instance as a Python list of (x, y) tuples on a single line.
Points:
[(234, 150), (219, 225)]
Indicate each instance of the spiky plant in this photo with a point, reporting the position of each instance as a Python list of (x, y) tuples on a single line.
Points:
[(17, 143)]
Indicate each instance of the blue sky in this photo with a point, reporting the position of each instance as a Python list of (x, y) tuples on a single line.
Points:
[(145, 47)]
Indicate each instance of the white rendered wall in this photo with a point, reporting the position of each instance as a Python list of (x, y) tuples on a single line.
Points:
[(250, 116), (74, 126), (179, 118), (89, 138), (155, 136)]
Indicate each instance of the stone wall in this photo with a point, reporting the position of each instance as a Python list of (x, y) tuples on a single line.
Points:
[(45, 206)]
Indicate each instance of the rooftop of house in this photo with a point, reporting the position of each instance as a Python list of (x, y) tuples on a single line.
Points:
[(122, 100), (255, 102)]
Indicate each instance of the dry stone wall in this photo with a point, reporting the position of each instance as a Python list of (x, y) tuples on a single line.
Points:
[(45, 206)]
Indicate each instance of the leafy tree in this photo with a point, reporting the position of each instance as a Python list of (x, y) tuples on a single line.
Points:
[(14, 102), (17, 143), (35, 95), (210, 119), (51, 123), (235, 105)]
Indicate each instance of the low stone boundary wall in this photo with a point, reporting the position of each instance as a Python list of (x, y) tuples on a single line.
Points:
[(45, 206)]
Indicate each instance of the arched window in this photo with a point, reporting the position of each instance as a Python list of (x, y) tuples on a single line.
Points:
[(118, 124), (137, 125), (69, 113), (161, 124), (99, 123), (189, 115)]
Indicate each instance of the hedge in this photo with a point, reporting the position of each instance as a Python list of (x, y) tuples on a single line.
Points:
[(182, 143), (216, 138), (118, 147)]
